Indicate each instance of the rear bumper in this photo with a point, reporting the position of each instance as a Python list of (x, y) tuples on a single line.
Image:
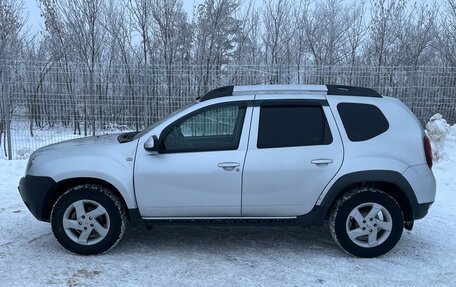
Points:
[(422, 182), (34, 191), (421, 210)]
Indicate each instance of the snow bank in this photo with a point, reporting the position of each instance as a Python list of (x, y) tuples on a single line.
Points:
[(442, 136)]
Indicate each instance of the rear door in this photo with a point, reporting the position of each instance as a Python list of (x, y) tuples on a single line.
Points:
[(294, 151)]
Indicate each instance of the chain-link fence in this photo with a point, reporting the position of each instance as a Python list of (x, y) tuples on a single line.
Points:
[(45, 102)]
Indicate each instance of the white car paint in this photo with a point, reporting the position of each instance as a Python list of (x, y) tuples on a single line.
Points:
[(192, 184)]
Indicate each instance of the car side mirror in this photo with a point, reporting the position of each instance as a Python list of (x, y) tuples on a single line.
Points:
[(151, 144)]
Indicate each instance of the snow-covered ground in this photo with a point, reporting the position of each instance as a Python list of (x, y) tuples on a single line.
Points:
[(230, 256)]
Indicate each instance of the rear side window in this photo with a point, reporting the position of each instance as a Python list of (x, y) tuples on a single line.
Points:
[(292, 125), (362, 121)]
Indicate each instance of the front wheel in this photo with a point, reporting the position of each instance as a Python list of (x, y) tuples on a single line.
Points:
[(88, 219), (366, 222)]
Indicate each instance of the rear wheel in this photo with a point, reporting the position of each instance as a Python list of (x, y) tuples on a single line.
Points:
[(366, 222), (88, 219)]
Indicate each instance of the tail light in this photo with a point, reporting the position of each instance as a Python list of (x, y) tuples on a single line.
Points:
[(427, 151)]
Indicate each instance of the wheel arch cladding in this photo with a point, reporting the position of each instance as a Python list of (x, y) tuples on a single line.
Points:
[(391, 182), (62, 186)]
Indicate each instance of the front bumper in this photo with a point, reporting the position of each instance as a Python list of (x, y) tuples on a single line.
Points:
[(34, 191)]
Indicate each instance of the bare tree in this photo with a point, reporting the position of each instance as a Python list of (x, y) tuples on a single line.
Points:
[(387, 18), (416, 36), (215, 32), (329, 30), (356, 32), (86, 37), (11, 25), (446, 42), (59, 54), (120, 30), (141, 15), (168, 16), (247, 41), (277, 23), (130, 62)]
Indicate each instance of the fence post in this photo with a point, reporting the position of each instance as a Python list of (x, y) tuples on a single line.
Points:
[(145, 93), (6, 109), (410, 85)]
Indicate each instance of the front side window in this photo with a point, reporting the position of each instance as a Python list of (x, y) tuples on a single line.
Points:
[(211, 129), (292, 125)]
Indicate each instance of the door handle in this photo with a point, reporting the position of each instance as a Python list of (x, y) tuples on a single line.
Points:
[(229, 166), (321, 162)]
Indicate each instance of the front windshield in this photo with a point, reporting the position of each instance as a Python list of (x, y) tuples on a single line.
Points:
[(149, 128)]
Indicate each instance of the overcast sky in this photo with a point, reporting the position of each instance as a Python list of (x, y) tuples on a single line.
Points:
[(36, 23), (32, 13)]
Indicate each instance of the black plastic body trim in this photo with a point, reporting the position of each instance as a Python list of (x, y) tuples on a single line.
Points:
[(340, 90), (315, 217), (135, 217), (126, 137), (34, 191), (421, 210), (387, 176), (217, 93)]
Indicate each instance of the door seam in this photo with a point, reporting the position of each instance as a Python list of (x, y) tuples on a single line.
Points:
[(246, 151)]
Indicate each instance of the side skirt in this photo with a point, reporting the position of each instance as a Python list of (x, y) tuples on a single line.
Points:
[(315, 217)]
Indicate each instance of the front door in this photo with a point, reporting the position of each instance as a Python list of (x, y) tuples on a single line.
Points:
[(198, 170)]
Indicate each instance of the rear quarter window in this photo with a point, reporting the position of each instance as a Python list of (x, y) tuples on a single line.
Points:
[(362, 121)]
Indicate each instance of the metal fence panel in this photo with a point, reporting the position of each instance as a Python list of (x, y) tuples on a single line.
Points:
[(44, 102)]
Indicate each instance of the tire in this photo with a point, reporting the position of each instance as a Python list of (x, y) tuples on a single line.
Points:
[(366, 222), (93, 229)]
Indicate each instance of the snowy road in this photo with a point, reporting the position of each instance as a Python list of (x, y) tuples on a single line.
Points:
[(225, 256)]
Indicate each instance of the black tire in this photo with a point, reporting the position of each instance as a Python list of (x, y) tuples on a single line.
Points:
[(339, 222), (114, 214)]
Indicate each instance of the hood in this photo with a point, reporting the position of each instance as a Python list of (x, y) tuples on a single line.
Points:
[(105, 145), (91, 151), (86, 143), (101, 157)]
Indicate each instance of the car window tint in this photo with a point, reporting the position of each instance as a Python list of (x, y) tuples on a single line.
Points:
[(362, 121), (292, 125)]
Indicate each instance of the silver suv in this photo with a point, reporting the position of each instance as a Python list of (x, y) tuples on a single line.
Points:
[(288, 154)]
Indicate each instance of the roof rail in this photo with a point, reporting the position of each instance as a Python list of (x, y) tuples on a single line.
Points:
[(262, 89), (335, 90), (279, 89), (339, 90), (217, 93)]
